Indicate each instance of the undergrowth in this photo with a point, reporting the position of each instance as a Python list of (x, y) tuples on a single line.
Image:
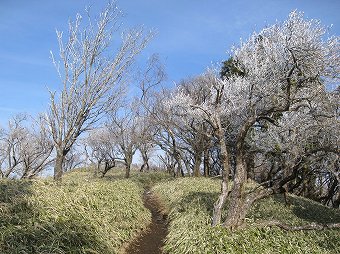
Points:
[(189, 203), (79, 215)]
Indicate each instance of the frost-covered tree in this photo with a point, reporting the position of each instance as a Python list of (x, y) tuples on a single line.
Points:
[(194, 135), (164, 120), (146, 143), (101, 148), (124, 127), (92, 68), (285, 67), (10, 146), (150, 78), (211, 109), (25, 148), (300, 152)]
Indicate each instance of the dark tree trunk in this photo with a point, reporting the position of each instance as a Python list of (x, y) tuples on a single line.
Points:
[(182, 172), (58, 166), (108, 166), (127, 171), (206, 163), (145, 165), (187, 166), (336, 202), (177, 157), (197, 165), (128, 162)]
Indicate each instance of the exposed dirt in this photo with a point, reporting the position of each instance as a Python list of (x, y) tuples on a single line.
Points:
[(152, 239)]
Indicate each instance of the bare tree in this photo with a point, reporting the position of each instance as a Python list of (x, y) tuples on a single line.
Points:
[(146, 142), (36, 150), (74, 158), (10, 144), (150, 78), (92, 75), (102, 150), (195, 134), (25, 148), (124, 128), (163, 119), (166, 161)]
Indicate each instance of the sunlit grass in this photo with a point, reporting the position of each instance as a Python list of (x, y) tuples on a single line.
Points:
[(84, 214), (189, 204), (79, 215)]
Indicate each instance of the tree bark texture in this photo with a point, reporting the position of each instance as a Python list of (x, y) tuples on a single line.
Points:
[(128, 162), (197, 165), (145, 165), (58, 167), (206, 163), (217, 211), (237, 206)]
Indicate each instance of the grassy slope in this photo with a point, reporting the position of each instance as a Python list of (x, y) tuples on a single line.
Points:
[(189, 204), (80, 215), (83, 215)]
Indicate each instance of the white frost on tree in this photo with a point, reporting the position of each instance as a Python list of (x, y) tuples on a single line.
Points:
[(283, 67)]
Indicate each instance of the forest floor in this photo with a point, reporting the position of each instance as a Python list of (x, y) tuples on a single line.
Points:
[(152, 239)]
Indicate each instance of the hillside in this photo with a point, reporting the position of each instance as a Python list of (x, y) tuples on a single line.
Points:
[(87, 215), (79, 215), (189, 204)]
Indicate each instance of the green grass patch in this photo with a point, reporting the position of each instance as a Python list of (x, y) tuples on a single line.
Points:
[(189, 202), (79, 215), (143, 179)]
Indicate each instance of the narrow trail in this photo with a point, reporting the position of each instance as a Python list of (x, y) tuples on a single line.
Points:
[(152, 239)]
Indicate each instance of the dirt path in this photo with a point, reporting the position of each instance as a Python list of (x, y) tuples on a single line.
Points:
[(151, 240)]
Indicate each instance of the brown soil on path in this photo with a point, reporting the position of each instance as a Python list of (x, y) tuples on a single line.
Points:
[(151, 240)]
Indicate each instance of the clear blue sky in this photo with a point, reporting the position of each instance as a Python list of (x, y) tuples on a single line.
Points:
[(192, 34)]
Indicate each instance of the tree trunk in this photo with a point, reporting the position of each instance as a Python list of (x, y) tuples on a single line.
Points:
[(238, 205), (97, 169), (197, 165), (108, 165), (187, 166), (25, 173), (336, 199), (206, 163), (58, 166), (145, 165), (177, 157), (217, 212), (128, 162), (127, 170)]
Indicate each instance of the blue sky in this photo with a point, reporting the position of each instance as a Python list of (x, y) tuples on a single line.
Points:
[(191, 34)]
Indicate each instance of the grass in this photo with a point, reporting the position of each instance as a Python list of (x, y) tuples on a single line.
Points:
[(87, 215), (189, 201), (142, 179), (79, 215)]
